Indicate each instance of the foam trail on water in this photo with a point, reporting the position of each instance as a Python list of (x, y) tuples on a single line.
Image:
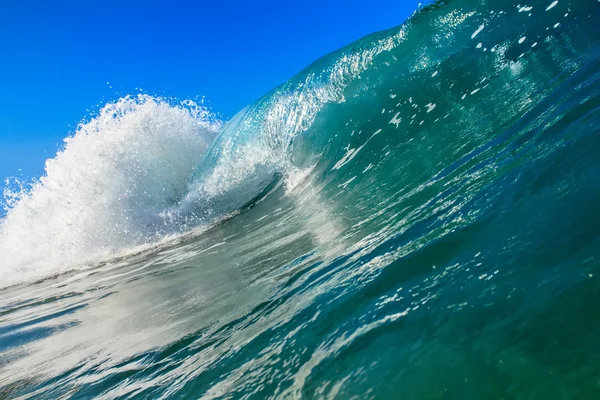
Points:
[(105, 190)]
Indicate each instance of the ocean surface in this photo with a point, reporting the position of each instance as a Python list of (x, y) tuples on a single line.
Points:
[(414, 216)]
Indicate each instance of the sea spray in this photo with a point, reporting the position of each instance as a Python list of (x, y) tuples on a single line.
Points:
[(105, 190)]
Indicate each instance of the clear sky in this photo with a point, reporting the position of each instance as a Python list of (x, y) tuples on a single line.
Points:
[(56, 57)]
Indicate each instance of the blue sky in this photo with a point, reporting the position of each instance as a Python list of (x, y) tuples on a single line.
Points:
[(58, 56)]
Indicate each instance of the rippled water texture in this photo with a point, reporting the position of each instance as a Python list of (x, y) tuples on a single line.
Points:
[(412, 217)]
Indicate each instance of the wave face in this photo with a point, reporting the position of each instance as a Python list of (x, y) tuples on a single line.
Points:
[(412, 216)]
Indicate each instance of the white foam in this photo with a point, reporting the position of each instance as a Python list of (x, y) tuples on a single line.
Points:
[(105, 190), (477, 31), (396, 120)]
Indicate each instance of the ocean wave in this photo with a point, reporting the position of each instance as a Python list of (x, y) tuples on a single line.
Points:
[(451, 82)]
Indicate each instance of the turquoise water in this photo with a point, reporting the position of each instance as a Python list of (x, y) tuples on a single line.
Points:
[(412, 217)]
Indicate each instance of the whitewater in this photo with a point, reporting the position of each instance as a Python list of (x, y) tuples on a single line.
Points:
[(412, 216)]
